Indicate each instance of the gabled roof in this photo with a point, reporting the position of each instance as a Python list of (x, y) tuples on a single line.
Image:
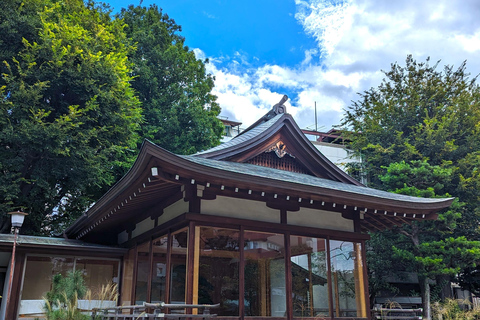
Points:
[(243, 139), (265, 134)]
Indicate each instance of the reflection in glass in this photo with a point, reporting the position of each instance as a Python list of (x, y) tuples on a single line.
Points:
[(178, 266), (219, 260), (39, 273), (159, 274), (309, 277), (265, 293), (142, 273), (97, 273), (347, 279)]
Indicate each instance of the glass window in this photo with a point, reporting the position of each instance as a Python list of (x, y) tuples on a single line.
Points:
[(309, 277), (219, 262), (39, 273), (98, 273), (347, 279), (143, 267), (265, 293), (178, 266), (159, 247)]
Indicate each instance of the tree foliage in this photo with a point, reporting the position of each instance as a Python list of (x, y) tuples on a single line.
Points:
[(417, 113), (61, 302), (418, 134), (68, 113), (79, 92), (179, 110)]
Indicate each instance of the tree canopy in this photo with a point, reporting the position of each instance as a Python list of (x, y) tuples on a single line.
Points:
[(79, 92), (418, 134), (179, 110)]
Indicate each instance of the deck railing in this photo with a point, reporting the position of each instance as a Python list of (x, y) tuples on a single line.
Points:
[(397, 314), (153, 311)]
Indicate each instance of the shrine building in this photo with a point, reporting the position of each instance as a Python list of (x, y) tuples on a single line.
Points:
[(263, 224)]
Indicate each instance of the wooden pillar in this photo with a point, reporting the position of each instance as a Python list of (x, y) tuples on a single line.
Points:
[(329, 277), (196, 267), (366, 294), (150, 271), (288, 277), (168, 266), (359, 282), (134, 278), (190, 264), (120, 283), (241, 276), (12, 309)]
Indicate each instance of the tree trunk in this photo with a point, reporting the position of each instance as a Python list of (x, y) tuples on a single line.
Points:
[(446, 287), (425, 292)]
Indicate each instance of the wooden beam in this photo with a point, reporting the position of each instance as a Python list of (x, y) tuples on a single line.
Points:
[(226, 222), (283, 205), (365, 221), (377, 220)]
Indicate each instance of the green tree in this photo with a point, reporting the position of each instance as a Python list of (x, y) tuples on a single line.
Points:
[(416, 113), (68, 114), (430, 117), (432, 249), (172, 85), (61, 303)]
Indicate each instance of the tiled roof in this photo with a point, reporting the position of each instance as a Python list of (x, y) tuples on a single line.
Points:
[(241, 138), (31, 241), (304, 179)]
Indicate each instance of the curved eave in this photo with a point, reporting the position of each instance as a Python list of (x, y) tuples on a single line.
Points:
[(283, 186), (134, 174), (153, 156)]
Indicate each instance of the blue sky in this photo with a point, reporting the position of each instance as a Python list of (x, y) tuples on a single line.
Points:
[(323, 51)]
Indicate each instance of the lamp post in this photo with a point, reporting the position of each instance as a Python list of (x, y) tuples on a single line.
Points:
[(17, 221)]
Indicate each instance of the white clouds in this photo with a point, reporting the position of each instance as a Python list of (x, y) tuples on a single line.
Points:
[(325, 20), (276, 76), (357, 39), (469, 43), (242, 95)]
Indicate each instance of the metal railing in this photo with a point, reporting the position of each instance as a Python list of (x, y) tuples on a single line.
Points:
[(153, 311), (397, 314)]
